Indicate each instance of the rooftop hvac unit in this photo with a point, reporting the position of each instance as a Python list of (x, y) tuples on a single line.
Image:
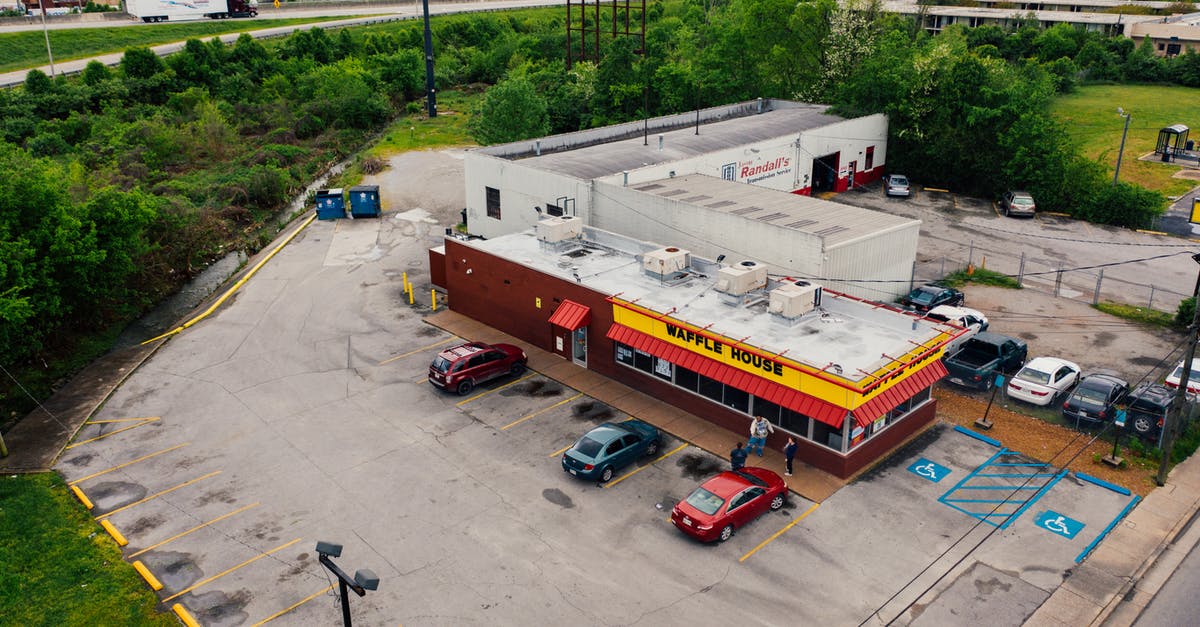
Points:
[(559, 229), (742, 277), (794, 299), (665, 263)]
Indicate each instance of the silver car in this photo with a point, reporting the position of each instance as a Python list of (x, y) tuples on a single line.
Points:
[(896, 185), (1018, 204)]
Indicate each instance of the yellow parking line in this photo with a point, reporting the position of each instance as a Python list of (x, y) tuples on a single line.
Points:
[(305, 600), (196, 528), (111, 420), (540, 411), (145, 421), (641, 468), (562, 450), (780, 532), (226, 572), (415, 351), (158, 494), (145, 457), (482, 394)]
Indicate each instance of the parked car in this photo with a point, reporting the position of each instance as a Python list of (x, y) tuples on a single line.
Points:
[(1094, 398), (1176, 376), (973, 321), (1017, 203), (1043, 380), (975, 364), (728, 501), (467, 365), (1146, 410), (896, 185), (931, 295), (609, 447)]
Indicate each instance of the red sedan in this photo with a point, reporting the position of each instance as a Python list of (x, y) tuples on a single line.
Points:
[(728, 501)]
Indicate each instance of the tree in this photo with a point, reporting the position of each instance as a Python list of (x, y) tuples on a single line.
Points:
[(511, 110)]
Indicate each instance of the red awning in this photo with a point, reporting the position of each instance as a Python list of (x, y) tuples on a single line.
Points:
[(571, 315), (812, 406), (871, 410)]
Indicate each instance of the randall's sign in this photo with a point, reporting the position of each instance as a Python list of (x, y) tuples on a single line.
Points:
[(757, 170)]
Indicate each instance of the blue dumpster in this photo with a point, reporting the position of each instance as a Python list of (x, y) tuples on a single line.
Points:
[(331, 204), (364, 201)]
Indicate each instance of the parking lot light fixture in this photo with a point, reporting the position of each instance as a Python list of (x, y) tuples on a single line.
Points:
[(362, 580), (1121, 150)]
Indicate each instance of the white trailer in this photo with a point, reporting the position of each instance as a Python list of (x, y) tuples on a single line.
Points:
[(178, 10)]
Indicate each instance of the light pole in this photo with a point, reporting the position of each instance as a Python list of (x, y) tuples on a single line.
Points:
[(1174, 418), (362, 581), (1121, 150), (46, 32)]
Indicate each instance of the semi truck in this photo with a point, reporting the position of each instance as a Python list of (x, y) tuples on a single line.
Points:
[(164, 10)]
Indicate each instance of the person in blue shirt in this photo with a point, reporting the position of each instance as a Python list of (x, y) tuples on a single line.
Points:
[(737, 457)]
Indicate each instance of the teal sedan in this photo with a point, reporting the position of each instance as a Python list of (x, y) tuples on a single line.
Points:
[(604, 450)]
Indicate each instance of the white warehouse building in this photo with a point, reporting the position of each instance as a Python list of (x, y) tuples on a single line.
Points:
[(734, 181)]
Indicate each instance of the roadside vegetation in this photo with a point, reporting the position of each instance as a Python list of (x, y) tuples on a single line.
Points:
[(60, 567), (980, 276), (25, 49)]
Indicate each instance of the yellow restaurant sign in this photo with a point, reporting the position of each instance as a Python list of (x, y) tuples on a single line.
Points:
[(826, 386)]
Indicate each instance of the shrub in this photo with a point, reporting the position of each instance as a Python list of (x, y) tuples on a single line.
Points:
[(1186, 312)]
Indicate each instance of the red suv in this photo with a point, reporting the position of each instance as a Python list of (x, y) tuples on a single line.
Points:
[(463, 367)]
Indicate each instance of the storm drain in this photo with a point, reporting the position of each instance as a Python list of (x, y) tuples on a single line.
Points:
[(1002, 488)]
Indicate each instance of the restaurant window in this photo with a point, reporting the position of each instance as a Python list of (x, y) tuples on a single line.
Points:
[(737, 399), (662, 368), (686, 379), (625, 354), (711, 389), (493, 202), (767, 410), (826, 435), (643, 361), (794, 421)]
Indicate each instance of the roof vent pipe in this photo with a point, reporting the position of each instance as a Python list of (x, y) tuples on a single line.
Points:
[(537, 147), (660, 142)]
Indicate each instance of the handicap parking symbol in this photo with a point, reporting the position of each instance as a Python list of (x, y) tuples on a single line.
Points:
[(1057, 523), (929, 470)]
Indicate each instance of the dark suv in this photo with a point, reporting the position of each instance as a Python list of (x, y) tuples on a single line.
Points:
[(463, 367), (1146, 409)]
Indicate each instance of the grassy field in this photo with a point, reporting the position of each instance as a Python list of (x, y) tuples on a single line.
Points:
[(60, 567), (27, 49), (1092, 122)]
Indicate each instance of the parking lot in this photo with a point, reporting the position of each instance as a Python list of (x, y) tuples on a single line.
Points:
[(300, 412)]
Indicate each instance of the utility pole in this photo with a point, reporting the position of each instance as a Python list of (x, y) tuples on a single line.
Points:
[(430, 89), (1175, 416), (1121, 150)]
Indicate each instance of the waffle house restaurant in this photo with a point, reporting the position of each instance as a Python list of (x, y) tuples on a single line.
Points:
[(725, 341)]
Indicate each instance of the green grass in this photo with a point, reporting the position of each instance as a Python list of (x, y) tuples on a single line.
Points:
[(1091, 120), (416, 131), (27, 49), (980, 276), (1138, 314), (60, 567)]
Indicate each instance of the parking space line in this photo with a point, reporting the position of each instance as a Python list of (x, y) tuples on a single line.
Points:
[(780, 532), (196, 528), (120, 466), (144, 421), (485, 393), (562, 450), (292, 607), (158, 494), (415, 351), (1104, 532), (641, 468), (230, 570), (540, 411), (112, 420)]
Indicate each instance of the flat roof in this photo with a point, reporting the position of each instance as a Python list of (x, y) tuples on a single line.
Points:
[(1069, 17), (856, 335), (833, 222), (624, 152)]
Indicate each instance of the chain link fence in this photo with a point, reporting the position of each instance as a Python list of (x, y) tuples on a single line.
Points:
[(1050, 277)]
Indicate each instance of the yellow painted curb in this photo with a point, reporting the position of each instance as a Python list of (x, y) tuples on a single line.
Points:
[(1056, 213), (82, 497), (155, 584), (112, 531), (184, 615), (1151, 232), (937, 189)]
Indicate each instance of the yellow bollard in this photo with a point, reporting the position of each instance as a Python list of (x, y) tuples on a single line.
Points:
[(407, 287), (433, 298), (410, 296)]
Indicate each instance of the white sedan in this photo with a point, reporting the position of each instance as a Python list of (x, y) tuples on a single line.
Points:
[(973, 321), (1043, 379)]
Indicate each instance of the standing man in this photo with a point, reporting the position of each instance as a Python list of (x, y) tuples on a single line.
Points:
[(789, 453), (737, 457), (759, 430)]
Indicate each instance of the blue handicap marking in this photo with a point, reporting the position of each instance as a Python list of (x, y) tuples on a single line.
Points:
[(929, 470), (1057, 523)]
